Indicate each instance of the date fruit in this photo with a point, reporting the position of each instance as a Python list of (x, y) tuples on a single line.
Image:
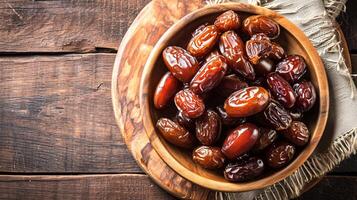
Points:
[(212, 55), (184, 121), (267, 137), (208, 128), (165, 90), (250, 169), (280, 154), (281, 90), (190, 104), (232, 48), (277, 52), (297, 133), (180, 63), (261, 24), (291, 68), (258, 47), (227, 120), (276, 116), (175, 134), (306, 95), (229, 20), (208, 157), (209, 76), (230, 84), (240, 140), (247, 101), (203, 41)]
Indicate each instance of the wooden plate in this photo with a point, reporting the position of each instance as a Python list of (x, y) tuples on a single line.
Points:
[(133, 52)]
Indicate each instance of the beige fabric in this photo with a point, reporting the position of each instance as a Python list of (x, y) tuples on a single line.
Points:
[(316, 18)]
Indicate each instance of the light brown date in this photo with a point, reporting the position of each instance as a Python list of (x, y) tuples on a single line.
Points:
[(190, 104), (261, 24), (209, 157), (228, 20), (175, 134), (203, 41)]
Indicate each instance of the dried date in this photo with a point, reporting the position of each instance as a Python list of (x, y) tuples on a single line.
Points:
[(175, 134), (266, 138), (281, 90), (291, 68), (280, 154), (261, 24), (208, 157), (228, 20), (276, 116), (297, 133), (190, 104), (244, 171), (208, 128), (203, 41), (306, 95), (165, 90)]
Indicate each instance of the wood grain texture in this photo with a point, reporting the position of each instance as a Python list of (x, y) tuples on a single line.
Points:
[(56, 116), (134, 187), (125, 187), (65, 26)]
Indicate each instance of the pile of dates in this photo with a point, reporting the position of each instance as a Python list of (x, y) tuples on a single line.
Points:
[(240, 103)]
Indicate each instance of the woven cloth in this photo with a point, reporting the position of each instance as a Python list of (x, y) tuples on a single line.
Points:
[(316, 18)]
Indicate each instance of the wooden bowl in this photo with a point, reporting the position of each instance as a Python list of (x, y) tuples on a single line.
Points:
[(291, 38)]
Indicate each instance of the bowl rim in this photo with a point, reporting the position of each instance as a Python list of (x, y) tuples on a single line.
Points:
[(230, 186)]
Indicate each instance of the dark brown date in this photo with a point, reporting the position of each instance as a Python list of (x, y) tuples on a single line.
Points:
[(276, 116), (189, 103), (240, 140), (208, 128), (244, 171), (228, 20), (264, 67), (297, 133), (247, 101), (306, 95), (209, 76), (261, 24), (208, 157), (277, 52), (232, 47), (230, 84), (258, 47), (203, 41), (291, 68), (280, 154), (180, 63), (165, 90), (281, 90), (227, 120), (175, 134), (266, 138), (184, 121)]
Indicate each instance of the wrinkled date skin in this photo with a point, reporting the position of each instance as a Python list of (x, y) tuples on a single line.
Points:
[(229, 20), (247, 101), (240, 140), (175, 134), (180, 63), (281, 90), (203, 41), (261, 24), (267, 137), (184, 121), (297, 133), (232, 47), (227, 120), (276, 116), (230, 84), (189, 103), (259, 47), (306, 95), (208, 128), (165, 90), (280, 154), (291, 68), (244, 171), (208, 157), (209, 76)]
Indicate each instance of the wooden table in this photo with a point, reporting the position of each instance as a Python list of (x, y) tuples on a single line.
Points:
[(58, 136)]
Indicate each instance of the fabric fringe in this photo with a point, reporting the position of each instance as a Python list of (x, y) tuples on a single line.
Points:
[(334, 7), (316, 166)]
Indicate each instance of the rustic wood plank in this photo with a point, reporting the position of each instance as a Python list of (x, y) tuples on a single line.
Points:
[(56, 116), (129, 186), (65, 26), (126, 187)]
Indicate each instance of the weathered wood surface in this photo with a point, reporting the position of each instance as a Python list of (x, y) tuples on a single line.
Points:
[(65, 26), (134, 187), (56, 116)]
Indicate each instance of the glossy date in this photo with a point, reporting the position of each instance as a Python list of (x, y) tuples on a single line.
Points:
[(175, 134), (247, 170), (281, 90), (208, 157), (165, 90), (190, 104), (208, 128), (228, 20), (261, 24), (203, 41)]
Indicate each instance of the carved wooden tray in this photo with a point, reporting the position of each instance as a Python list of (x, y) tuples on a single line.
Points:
[(145, 31)]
